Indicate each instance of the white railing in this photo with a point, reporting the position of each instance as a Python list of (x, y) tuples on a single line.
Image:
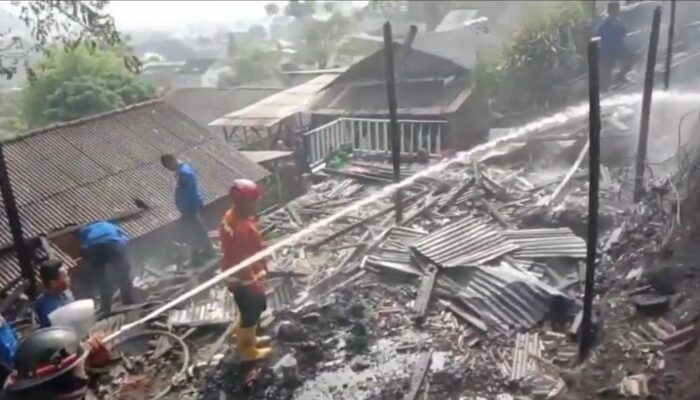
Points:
[(372, 136)]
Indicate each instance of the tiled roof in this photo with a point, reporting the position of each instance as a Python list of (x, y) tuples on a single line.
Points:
[(95, 167)]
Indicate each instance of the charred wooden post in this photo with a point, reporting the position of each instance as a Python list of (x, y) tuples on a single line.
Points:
[(393, 122), (24, 255), (669, 48), (586, 335), (646, 106)]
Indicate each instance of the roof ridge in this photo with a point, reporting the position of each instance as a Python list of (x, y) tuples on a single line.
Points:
[(82, 120)]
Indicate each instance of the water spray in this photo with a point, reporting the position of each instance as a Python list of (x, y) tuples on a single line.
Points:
[(549, 122)]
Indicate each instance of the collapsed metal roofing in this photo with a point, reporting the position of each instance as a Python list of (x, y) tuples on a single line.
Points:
[(543, 243), (465, 242), (502, 296)]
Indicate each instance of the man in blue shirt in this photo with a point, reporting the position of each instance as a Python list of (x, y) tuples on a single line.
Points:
[(613, 49), (104, 244), (54, 277), (189, 201)]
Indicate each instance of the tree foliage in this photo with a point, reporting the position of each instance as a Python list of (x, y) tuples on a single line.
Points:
[(549, 49), (73, 84), (320, 39), (72, 23)]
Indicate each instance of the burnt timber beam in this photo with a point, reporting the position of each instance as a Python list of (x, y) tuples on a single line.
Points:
[(420, 370), (456, 195), (496, 214), (669, 48), (393, 118), (562, 189), (24, 254), (425, 294), (586, 337), (646, 106)]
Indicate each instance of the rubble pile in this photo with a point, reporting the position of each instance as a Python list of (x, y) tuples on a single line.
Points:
[(473, 294)]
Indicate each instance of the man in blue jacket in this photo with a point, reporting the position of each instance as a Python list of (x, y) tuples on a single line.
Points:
[(613, 48), (104, 244), (189, 202)]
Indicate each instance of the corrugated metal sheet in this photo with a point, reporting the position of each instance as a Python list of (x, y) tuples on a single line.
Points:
[(502, 296), (283, 294), (465, 242), (9, 266), (275, 108), (523, 361), (94, 168), (541, 243), (393, 253), (218, 308)]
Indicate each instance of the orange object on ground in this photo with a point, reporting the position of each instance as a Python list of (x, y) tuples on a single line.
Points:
[(100, 355), (240, 239)]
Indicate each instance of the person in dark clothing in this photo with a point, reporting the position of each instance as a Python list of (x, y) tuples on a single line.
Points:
[(189, 202), (54, 277), (50, 365), (613, 49), (104, 244), (300, 156)]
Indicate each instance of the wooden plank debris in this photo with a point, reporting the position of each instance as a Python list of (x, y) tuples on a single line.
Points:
[(420, 370), (425, 293), (561, 191), (460, 312)]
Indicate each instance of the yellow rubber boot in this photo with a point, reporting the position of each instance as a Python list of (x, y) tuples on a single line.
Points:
[(247, 350)]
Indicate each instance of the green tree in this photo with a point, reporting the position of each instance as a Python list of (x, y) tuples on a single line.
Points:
[(547, 51), (71, 23), (77, 83)]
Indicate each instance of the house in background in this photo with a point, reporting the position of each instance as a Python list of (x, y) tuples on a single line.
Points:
[(107, 166), (279, 116), (205, 104), (436, 103), (192, 72)]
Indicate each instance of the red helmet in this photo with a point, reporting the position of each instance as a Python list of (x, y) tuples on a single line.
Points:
[(245, 189)]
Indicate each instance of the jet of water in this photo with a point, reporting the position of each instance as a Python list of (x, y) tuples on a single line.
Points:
[(552, 121)]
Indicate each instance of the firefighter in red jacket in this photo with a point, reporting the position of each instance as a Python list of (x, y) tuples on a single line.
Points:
[(240, 239)]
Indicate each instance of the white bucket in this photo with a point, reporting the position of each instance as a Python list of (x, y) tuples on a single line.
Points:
[(79, 315)]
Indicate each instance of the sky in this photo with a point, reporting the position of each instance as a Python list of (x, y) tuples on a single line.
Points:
[(176, 14)]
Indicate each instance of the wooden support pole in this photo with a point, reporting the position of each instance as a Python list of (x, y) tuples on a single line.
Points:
[(393, 119), (646, 106), (24, 255), (586, 337), (669, 47)]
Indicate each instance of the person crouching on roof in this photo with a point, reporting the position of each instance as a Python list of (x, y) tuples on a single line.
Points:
[(103, 245), (240, 240), (54, 277)]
